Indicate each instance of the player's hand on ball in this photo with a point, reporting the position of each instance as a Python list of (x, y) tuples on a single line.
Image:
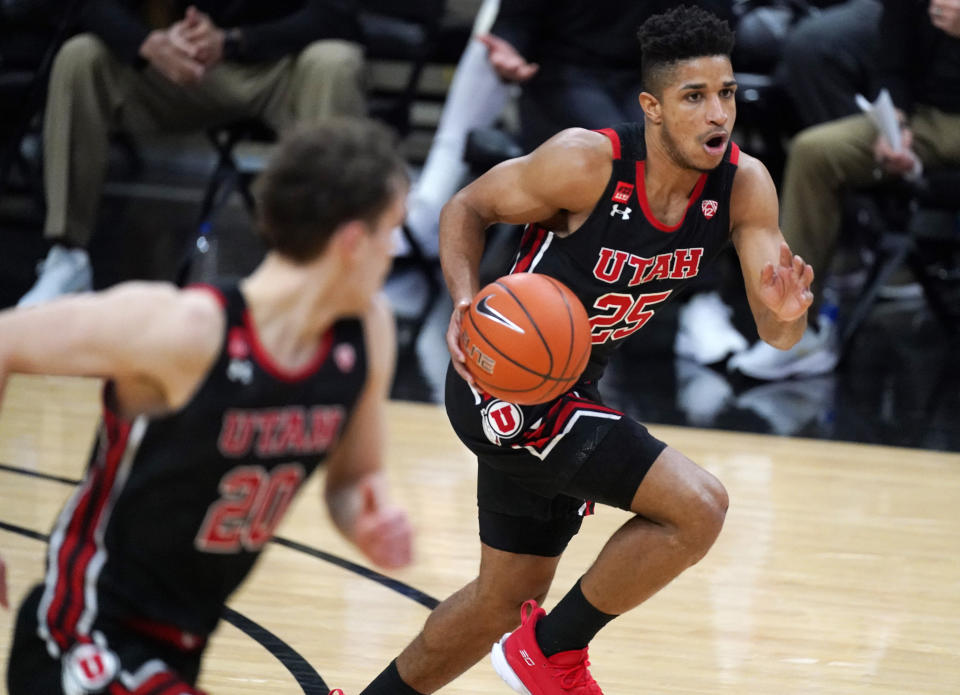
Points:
[(453, 341), (785, 288), (383, 533), (3, 585)]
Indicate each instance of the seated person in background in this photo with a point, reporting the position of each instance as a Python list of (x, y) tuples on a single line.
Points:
[(283, 61), (828, 57), (919, 62)]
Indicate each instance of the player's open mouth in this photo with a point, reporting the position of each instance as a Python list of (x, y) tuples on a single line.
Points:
[(716, 144)]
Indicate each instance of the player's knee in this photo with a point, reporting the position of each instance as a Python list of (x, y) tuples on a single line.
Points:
[(705, 516)]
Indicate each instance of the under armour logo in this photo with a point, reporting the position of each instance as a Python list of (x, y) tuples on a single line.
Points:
[(241, 371), (624, 213)]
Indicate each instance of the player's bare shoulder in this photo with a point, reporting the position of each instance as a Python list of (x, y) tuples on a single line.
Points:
[(576, 165), (167, 315), (168, 341), (754, 195), (200, 311), (585, 151)]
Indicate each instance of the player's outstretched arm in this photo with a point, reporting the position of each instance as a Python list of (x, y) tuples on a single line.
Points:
[(355, 488), (151, 334), (566, 174), (777, 282)]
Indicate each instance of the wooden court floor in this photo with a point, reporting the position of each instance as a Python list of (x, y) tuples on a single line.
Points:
[(838, 570)]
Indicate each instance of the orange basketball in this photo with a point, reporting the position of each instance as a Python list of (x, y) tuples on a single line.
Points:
[(526, 337)]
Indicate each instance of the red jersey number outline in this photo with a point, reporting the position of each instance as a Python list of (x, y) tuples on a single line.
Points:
[(622, 308), (251, 505)]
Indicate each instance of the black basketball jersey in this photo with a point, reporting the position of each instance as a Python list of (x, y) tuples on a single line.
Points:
[(174, 510), (622, 262)]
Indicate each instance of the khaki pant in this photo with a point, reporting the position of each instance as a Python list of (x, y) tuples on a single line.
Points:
[(92, 94), (826, 159)]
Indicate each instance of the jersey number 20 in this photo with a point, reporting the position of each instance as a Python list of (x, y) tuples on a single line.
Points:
[(252, 502)]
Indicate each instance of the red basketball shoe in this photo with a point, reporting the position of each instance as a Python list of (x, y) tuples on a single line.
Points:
[(518, 660)]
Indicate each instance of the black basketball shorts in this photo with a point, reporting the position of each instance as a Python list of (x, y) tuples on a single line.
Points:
[(114, 661), (542, 467)]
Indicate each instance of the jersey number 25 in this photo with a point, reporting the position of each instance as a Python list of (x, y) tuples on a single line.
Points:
[(622, 309)]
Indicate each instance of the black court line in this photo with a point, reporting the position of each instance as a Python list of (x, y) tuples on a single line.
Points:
[(401, 588), (36, 474), (405, 589), (35, 535), (299, 668), (307, 678)]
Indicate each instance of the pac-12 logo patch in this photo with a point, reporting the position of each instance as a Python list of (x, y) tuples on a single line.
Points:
[(623, 192), (88, 668), (709, 208), (501, 420)]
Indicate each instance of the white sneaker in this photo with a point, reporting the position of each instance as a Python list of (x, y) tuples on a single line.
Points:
[(704, 332), (62, 271), (816, 352)]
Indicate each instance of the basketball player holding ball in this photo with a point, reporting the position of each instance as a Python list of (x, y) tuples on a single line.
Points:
[(624, 217)]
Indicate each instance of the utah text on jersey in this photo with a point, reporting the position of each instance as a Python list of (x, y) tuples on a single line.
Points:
[(280, 431)]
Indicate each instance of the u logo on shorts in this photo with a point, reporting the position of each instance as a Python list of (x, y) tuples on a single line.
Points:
[(88, 668), (501, 420)]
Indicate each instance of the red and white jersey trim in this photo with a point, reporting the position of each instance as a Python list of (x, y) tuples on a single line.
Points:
[(540, 446), (77, 553)]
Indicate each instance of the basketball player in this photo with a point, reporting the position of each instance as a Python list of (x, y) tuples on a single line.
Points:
[(218, 403), (624, 217)]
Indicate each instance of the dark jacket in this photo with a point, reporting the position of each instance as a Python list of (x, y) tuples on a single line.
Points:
[(587, 33), (271, 28), (918, 63)]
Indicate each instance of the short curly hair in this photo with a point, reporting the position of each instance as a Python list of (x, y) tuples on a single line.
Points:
[(681, 33), (323, 176)]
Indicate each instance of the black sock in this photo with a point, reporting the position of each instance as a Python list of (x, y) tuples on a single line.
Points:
[(389, 683), (571, 624)]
